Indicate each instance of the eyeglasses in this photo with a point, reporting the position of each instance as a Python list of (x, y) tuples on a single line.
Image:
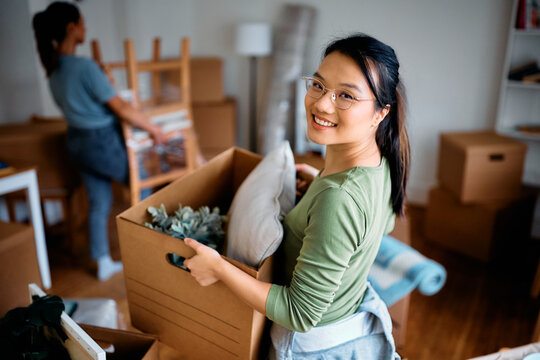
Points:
[(343, 99)]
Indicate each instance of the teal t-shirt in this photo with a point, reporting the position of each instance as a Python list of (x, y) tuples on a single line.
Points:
[(81, 89), (331, 239)]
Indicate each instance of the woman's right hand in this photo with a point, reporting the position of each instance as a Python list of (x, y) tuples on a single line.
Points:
[(158, 136), (304, 176)]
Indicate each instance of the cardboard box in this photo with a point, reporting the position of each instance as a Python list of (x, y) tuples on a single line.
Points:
[(78, 343), (42, 145), (215, 125), (99, 343), (481, 166), (207, 84), (489, 232), (206, 78), (127, 345), (399, 311), (18, 265), (200, 322)]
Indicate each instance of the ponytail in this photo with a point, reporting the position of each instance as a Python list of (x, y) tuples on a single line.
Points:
[(50, 30), (379, 64), (44, 41), (393, 142)]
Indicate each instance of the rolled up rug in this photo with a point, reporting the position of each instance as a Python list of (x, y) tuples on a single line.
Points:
[(399, 269)]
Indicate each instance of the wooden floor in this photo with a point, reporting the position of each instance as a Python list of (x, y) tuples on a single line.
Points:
[(479, 310)]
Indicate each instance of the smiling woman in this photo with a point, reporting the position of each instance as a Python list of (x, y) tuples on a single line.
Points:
[(325, 308), (352, 119)]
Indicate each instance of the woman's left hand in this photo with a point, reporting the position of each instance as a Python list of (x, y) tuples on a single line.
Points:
[(204, 264)]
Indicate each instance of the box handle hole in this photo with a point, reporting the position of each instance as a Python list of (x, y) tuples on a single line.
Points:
[(177, 260), (496, 157)]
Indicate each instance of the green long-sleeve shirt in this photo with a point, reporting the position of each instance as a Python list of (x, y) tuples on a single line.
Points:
[(331, 239)]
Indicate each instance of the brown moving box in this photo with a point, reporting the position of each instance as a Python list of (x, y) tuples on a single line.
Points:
[(200, 322), (481, 166), (41, 145), (207, 79), (127, 345), (206, 75), (215, 125), (18, 265), (399, 311), (488, 231)]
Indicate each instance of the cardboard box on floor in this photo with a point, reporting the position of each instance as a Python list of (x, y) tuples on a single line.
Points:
[(200, 322), (494, 230), (87, 342), (18, 265), (399, 311), (126, 345), (78, 344), (481, 166)]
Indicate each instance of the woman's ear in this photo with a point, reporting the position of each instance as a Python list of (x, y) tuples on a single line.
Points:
[(70, 28), (380, 115)]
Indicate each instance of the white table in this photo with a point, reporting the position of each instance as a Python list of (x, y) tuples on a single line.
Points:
[(27, 179)]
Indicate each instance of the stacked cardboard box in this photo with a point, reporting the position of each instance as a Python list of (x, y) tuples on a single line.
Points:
[(399, 312), (214, 114), (18, 265), (215, 125), (479, 208), (206, 80)]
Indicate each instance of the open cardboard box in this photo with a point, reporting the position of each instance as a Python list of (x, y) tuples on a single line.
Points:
[(85, 342), (78, 344), (122, 344), (200, 322)]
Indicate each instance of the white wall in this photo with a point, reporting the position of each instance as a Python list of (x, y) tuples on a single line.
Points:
[(451, 53), (19, 97)]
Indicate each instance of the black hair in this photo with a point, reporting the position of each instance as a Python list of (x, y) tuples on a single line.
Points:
[(50, 30), (380, 66)]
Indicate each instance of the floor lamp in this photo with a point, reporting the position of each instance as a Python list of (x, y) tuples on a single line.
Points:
[(253, 40)]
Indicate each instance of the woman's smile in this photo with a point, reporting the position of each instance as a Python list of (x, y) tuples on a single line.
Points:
[(322, 123)]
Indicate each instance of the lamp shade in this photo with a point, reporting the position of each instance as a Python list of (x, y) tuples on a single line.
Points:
[(254, 39)]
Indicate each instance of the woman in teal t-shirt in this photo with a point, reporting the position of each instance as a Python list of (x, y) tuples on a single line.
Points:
[(326, 309), (92, 109)]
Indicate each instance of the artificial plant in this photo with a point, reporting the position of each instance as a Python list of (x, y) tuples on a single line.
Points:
[(202, 225)]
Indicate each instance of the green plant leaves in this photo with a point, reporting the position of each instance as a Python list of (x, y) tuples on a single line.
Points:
[(202, 225)]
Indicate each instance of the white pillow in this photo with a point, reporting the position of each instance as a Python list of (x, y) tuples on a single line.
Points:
[(258, 207)]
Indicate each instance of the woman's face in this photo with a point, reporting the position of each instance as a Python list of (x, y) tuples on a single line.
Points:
[(79, 31), (329, 125)]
